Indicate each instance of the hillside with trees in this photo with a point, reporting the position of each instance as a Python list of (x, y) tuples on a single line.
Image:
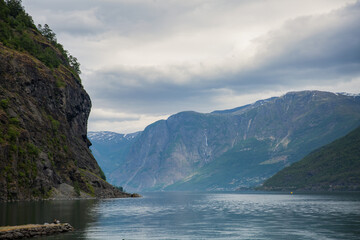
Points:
[(334, 167)]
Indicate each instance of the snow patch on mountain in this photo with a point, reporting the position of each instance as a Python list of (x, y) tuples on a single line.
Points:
[(107, 136), (348, 94)]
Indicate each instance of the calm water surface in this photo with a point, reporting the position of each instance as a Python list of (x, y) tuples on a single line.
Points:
[(198, 216)]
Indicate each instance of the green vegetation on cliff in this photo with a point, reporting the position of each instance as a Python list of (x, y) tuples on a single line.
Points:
[(335, 166), (43, 116), (18, 31)]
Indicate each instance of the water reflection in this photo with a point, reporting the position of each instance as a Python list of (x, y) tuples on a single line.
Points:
[(76, 212)]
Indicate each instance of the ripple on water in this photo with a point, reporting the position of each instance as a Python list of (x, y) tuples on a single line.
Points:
[(199, 216), (230, 216)]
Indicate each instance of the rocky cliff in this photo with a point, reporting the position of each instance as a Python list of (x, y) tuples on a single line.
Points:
[(43, 117), (236, 148)]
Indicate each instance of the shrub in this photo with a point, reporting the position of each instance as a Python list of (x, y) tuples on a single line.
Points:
[(102, 174), (54, 123), (13, 133), (60, 84), (14, 121), (77, 188), (33, 150), (4, 103)]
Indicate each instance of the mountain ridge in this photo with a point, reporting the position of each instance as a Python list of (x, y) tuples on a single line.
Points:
[(186, 151)]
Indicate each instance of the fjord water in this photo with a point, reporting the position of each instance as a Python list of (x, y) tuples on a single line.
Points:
[(199, 216)]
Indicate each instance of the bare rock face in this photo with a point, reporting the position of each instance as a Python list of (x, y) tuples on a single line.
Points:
[(43, 132), (236, 148)]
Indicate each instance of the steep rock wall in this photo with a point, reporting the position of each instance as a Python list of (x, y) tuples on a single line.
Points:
[(43, 133)]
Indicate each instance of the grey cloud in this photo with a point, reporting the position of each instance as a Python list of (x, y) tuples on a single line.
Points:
[(314, 50), (158, 97), (329, 47), (118, 119), (124, 17), (327, 56)]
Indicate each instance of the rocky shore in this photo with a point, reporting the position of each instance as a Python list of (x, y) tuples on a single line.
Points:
[(32, 230)]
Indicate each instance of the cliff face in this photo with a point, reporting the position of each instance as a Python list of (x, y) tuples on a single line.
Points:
[(43, 127), (43, 120), (242, 147)]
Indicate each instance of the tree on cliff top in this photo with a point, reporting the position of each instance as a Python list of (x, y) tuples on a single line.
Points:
[(17, 31)]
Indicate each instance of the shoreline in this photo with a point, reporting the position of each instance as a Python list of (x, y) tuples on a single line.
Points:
[(129, 195), (33, 230)]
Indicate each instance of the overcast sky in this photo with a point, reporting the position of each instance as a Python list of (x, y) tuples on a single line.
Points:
[(143, 60)]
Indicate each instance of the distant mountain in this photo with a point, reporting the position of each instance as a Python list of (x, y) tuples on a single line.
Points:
[(110, 149), (335, 166), (241, 147), (111, 137)]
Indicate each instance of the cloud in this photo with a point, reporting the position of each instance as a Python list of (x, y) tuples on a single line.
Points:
[(321, 48), (143, 60), (100, 114), (108, 120)]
